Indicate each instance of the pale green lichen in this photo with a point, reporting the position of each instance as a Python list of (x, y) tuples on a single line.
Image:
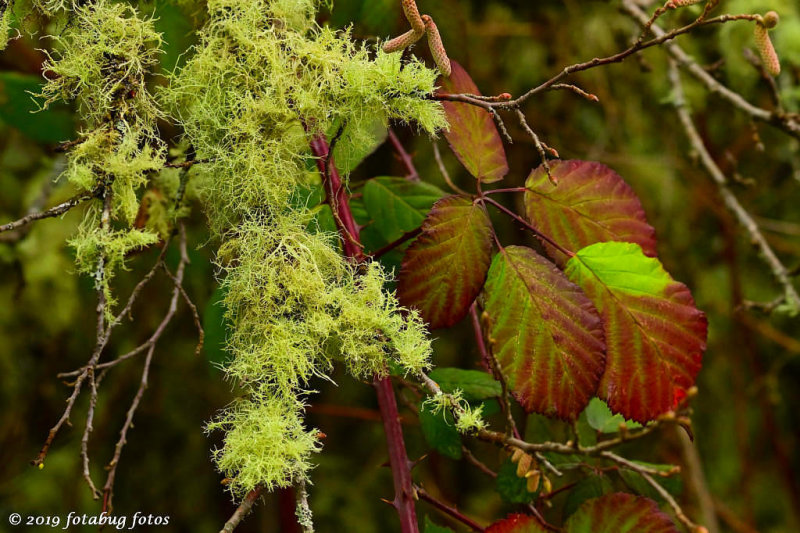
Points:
[(95, 247), (265, 442), (5, 27), (261, 83), (468, 419), (102, 61)]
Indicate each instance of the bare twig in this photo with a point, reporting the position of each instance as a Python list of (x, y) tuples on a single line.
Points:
[(108, 489), (446, 175), (404, 156), (242, 511), (786, 122), (448, 510), (55, 211), (779, 271)]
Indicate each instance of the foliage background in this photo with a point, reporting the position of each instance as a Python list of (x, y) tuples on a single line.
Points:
[(746, 416)]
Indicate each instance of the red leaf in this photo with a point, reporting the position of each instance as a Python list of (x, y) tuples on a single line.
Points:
[(546, 334), (473, 135), (619, 513), (590, 204), (655, 334), (444, 269), (517, 523)]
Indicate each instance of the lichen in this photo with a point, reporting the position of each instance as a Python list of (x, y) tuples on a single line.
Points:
[(262, 82), (102, 61)]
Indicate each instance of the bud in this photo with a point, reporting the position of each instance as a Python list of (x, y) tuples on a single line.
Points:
[(533, 477), (770, 19), (437, 48), (524, 465)]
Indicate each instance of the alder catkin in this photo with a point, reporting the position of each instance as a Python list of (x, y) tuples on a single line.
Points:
[(412, 14), (437, 48), (683, 3), (403, 41), (768, 55)]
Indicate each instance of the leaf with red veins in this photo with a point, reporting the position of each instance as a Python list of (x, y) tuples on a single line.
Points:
[(590, 204), (619, 513), (545, 333), (445, 268), (655, 335), (473, 135)]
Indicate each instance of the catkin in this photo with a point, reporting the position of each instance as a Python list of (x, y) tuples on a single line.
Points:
[(768, 55), (403, 41), (437, 48)]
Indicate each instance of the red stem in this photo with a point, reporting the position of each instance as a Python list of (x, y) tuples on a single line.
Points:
[(398, 458)]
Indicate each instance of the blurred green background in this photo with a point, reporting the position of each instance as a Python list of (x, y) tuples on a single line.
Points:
[(746, 418)]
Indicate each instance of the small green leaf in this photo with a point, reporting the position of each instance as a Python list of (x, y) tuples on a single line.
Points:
[(430, 527), (602, 419), (512, 488), (358, 141), (619, 513), (475, 384), (440, 432), (397, 205)]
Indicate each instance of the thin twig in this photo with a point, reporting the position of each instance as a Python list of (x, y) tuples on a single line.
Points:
[(446, 175), (779, 271), (108, 489), (448, 510), (528, 226), (404, 156), (783, 121), (55, 211), (242, 511)]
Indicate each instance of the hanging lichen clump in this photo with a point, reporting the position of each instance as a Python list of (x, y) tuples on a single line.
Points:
[(264, 81), (101, 60)]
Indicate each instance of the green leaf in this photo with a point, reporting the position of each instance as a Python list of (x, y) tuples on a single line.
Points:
[(430, 527), (589, 487), (517, 523), (215, 328), (545, 333), (473, 135), (475, 384), (656, 336), (619, 513), (510, 487), (358, 141), (590, 204), (440, 432), (177, 31), (600, 417), (19, 110), (444, 270), (397, 205)]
